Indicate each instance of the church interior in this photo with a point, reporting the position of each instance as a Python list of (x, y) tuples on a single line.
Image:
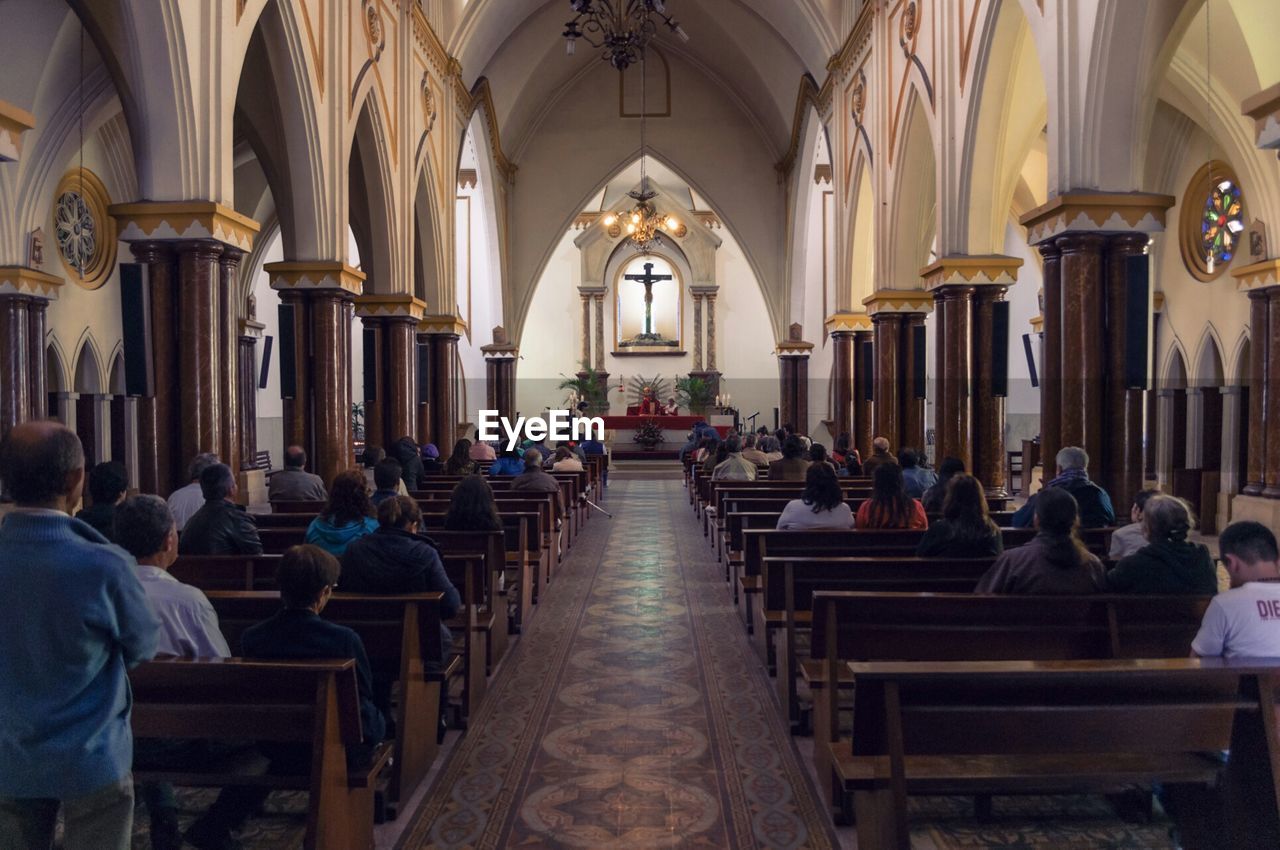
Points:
[(988, 231)]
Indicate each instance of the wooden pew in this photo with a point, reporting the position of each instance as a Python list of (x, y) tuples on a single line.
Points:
[(789, 582), (967, 627), (401, 637), (227, 572), (981, 727), (303, 702)]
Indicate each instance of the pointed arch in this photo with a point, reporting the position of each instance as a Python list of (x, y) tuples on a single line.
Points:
[(87, 377), (56, 377), (1210, 369), (912, 214), (115, 373), (800, 190), (370, 205), (1173, 375), (862, 236)]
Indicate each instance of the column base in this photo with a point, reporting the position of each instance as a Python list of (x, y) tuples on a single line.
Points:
[(1263, 510)]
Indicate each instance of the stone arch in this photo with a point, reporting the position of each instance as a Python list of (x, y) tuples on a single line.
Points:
[(87, 376), (55, 371), (912, 217), (1210, 370), (800, 191), (862, 228), (370, 204), (1173, 375)]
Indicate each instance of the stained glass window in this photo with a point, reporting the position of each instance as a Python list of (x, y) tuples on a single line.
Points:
[(75, 231), (1221, 224)]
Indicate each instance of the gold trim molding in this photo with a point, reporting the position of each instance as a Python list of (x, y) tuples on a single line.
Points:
[(1264, 109), (848, 322), (898, 301), (442, 324), (971, 270), (1258, 275), (14, 121), (172, 220), (1097, 212), (315, 275), (33, 283), (374, 306)]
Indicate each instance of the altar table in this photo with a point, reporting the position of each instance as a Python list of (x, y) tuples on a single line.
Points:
[(666, 423)]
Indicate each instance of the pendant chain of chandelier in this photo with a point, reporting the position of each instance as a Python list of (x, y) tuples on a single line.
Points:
[(621, 29)]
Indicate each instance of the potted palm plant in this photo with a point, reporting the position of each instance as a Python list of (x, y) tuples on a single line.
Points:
[(586, 386), (694, 394)]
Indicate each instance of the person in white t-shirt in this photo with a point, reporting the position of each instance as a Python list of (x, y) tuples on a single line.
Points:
[(1245, 620)]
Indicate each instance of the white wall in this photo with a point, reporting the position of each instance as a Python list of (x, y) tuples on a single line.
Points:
[(552, 341)]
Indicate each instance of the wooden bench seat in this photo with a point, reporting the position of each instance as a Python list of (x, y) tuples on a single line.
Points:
[(1036, 727), (303, 702), (401, 637)]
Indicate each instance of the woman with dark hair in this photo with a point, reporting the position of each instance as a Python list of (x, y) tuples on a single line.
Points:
[(842, 449), (347, 515), (460, 462), (1169, 563), (821, 504), (889, 505), (565, 460), (1055, 561), (818, 454), (406, 451), (966, 529), (472, 507), (937, 494)]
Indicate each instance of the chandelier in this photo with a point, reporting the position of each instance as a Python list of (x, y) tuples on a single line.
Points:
[(622, 28)]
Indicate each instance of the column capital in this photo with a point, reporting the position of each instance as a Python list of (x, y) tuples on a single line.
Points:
[(1097, 212), (847, 323), (1255, 276), (591, 290), (315, 274), (250, 329), (1037, 324), (705, 290), (1264, 109), (183, 220), (31, 283), (442, 325), (401, 306), (898, 301), (971, 270), (14, 121)]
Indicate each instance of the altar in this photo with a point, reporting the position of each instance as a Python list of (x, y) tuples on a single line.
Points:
[(670, 425)]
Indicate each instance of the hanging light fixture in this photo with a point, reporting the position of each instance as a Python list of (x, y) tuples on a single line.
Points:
[(620, 28), (643, 224)]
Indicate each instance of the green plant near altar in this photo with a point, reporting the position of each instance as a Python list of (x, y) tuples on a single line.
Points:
[(648, 434), (695, 395), (588, 387)]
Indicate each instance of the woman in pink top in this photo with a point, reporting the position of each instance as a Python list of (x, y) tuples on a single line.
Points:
[(889, 505)]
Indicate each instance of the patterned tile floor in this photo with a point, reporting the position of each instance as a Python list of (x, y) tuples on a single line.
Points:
[(632, 715)]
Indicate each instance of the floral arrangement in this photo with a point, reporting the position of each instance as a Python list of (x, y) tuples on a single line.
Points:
[(648, 434)]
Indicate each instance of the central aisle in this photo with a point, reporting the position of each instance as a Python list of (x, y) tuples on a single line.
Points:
[(633, 714)]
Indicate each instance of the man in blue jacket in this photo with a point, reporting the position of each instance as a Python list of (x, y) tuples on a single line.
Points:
[(1096, 510), (76, 619)]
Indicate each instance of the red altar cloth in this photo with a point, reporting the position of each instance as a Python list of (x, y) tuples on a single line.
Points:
[(666, 423)]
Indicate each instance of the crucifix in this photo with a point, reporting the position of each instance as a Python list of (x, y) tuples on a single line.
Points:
[(648, 279)]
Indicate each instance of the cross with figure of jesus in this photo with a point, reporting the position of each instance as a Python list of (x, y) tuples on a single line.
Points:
[(648, 279)]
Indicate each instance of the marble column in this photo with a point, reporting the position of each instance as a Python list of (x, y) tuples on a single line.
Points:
[(912, 405), (889, 371), (863, 354), (1051, 359), (793, 374), (200, 316), (374, 331), (398, 379), (1271, 412), (229, 372), (160, 463), (586, 330), (599, 298), (1082, 358), (711, 337), (15, 364), (1122, 460), (988, 409), (331, 317), (296, 409), (500, 370), (37, 380), (953, 368), (697, 332), (1260, 391), (247, 379), (842, 356), (444, 385)]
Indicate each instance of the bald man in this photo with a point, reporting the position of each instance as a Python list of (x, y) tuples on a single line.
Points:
[(65, 741)]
